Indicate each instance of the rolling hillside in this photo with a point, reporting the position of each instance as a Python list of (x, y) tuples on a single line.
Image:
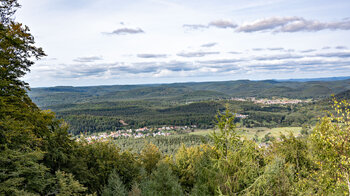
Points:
[(184, 92), (101, 108)]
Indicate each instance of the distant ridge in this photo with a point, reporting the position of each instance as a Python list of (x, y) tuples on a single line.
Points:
[(132, 86), (190, 92), (315, 79)]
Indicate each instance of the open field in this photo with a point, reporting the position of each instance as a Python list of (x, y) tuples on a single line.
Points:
[(260, 131)]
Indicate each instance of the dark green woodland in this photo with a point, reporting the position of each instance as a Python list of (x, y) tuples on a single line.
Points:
[(98, 109)]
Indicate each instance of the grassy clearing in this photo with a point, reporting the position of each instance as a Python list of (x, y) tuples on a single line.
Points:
[(202, 132), (260, 131)]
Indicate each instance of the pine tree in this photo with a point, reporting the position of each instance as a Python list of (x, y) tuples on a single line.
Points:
[(115, 186), (135, 190), (65, 184), (162, 182)]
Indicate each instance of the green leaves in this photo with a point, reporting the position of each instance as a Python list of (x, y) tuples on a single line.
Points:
[(115, 186), (162, 182), (331, 145), (65, 184), (226, 138), (21, 172), (17, 49), (150, 156), (238, 162)]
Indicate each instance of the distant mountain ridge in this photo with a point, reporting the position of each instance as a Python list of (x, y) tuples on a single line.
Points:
[(315, 79), (188, 92)]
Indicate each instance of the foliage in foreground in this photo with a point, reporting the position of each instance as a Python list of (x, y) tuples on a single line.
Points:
[(228, 165)]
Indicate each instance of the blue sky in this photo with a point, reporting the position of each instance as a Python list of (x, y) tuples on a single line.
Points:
[(108, 42)]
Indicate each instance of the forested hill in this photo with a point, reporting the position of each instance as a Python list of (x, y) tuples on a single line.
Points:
[(100, 108), (187, 92)]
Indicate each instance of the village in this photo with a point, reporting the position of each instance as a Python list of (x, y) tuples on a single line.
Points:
[(137, 133), (282, 101)]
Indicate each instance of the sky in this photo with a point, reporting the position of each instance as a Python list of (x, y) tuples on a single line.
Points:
[(111, 42)]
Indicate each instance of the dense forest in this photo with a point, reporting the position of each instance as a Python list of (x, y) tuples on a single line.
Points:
[(39, 157), (100, 108), (188, 92), (105, 116)]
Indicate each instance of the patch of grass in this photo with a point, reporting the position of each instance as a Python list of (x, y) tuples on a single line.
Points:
[(201, 132), (260, 131)]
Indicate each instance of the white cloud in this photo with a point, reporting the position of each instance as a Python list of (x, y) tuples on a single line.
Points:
[(292, 24), (196, 54), (223, 24), (125, 31)]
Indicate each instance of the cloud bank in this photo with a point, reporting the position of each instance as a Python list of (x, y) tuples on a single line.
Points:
[(208, 45), (292, 24), (221, 24), (87, 59), (196, 54), (152, 55), (276, 25), (283, 62)]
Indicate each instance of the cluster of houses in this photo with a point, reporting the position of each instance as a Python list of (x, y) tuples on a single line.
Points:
[(167, 128), (136, 133), (282, 101), (237, 115)]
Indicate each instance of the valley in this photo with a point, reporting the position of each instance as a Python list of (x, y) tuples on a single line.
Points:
[(268, 104)]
